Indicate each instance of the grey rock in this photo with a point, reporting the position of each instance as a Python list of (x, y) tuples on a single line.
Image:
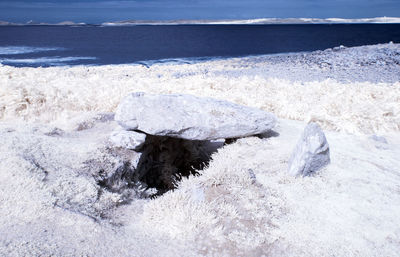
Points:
[(127, 139), (91, 120), (379, 139), (190, 117), (380, 142), (54, 132), (311, 152)]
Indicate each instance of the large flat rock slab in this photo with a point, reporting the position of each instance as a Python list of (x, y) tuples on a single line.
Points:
[(191, 117)]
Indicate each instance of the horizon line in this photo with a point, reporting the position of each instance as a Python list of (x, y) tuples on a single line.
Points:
[(253, 21)]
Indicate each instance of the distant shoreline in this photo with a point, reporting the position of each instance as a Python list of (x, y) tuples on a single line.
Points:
[(260, 21)]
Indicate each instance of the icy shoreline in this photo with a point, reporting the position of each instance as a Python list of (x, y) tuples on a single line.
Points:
[(55, 123)]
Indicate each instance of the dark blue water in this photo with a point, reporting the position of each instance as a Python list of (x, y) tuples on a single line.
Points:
[(64, 45)]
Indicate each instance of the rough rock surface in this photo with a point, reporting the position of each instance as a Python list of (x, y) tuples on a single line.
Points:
[(311, 152), (190, 117), (127, 139)]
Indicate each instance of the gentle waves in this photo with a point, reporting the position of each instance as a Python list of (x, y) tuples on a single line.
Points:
[(14, 54), (95, 45), (7, 50)]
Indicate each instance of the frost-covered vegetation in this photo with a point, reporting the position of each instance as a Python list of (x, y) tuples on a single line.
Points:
[(64, 190), (352, 90)]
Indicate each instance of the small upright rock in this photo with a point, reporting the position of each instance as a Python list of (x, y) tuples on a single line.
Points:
[(127, 139), (311, 152)]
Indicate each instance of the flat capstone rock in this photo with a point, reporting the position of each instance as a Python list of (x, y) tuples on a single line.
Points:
[(191, 117)]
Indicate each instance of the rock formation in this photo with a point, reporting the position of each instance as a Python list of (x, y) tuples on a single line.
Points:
[(191, 117), (127, 139), (311, 152), (176, 134)]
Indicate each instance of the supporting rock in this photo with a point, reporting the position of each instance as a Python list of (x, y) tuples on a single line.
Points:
[(127, 139)]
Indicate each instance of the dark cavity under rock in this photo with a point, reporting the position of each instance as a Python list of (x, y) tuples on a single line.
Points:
[(165, 160), (160, 164)]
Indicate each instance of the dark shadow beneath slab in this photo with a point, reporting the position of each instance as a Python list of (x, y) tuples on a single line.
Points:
[(166, 160), (160, 165)]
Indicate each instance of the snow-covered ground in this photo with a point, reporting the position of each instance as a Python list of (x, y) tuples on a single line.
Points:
[(54, 125)]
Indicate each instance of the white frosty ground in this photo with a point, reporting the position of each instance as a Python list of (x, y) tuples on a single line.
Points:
[(244, 203)]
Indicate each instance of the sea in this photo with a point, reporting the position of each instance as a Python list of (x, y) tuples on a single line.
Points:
[(44, 45)]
